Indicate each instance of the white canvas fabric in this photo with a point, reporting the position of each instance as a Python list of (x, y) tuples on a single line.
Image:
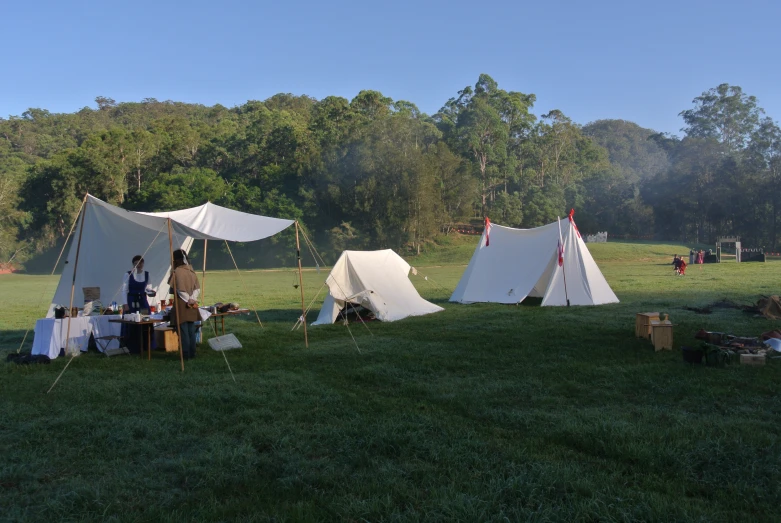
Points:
[(112, 236), (524, 262), (376, 280), (212, 222)]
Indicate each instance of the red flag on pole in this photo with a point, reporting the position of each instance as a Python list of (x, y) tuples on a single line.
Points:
[(561, 247), (571, 219), (487, 231)]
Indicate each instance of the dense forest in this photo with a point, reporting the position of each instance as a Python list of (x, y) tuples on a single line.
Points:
[(377, 173)]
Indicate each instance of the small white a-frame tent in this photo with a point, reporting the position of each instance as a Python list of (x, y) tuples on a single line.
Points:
[(376, 280), (511, 264), (107, 237)]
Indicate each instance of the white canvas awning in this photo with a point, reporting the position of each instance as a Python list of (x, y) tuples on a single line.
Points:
[(111, 236), (212, 222)]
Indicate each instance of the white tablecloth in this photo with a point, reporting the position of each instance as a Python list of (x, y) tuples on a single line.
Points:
[(50, 333)]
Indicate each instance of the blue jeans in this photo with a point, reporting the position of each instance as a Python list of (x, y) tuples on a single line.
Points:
[(188, 339)]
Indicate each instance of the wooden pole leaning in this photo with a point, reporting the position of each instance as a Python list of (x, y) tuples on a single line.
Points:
[(203, 274), (75, 266), (73, 289), (175, 308), (301, 288), (54, 269)]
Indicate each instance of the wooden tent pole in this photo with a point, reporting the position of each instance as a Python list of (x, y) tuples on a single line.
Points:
[(75, 266), (203, 274), (73, 288), (563, 268), (301, 288), (175, 308)]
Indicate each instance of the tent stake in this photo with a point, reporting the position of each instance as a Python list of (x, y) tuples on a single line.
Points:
[(301, 287), (73, 287), (176, 295)]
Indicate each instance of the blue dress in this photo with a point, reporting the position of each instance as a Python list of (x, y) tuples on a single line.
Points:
[(136, 300), (136, 293)]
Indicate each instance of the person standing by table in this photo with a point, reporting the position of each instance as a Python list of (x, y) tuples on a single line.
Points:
[(185, 310), (135, 287)]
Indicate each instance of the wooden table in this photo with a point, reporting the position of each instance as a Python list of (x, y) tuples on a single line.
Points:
[(151, 323), (221, 316)]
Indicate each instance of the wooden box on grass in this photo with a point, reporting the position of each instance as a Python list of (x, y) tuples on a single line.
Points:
[(661, 335), (643, 323), (166, 337), (752, 359)]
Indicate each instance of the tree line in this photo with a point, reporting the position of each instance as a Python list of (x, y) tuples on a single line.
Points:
[(372, 172)]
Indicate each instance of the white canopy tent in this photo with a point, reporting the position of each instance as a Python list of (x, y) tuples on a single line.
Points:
[(376, 280), (108, 237), (510, 264), (111, 236)]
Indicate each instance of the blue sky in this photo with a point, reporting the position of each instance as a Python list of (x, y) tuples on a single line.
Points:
[(639, 61)]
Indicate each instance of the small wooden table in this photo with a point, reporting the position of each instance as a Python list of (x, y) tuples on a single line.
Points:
[(221, 316), (151, 323)]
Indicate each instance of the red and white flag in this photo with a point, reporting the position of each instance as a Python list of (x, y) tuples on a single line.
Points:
[(561, 247), (571, 219), (487, 231)]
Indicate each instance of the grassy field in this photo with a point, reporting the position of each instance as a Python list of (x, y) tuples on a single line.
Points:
[(479, 413)]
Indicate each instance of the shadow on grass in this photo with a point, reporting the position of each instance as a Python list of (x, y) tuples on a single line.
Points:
[(11, 339)]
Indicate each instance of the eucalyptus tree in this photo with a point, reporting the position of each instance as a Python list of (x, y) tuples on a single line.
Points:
[(724, 113), (485, 123)]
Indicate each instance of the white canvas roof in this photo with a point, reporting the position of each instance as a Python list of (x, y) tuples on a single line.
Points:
[(376, 280), (112, 236), (518, 263)]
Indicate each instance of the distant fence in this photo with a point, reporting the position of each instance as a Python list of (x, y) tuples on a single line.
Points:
[(464, 229), (600, 237)]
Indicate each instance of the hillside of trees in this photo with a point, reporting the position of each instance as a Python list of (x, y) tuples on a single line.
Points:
[(372, 172)]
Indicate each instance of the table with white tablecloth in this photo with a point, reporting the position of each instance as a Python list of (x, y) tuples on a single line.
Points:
[(50, 333)]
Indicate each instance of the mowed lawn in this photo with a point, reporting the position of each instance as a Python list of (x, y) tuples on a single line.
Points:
[(479, 413)]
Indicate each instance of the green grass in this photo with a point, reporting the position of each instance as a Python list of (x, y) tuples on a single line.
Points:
[(481, 412)]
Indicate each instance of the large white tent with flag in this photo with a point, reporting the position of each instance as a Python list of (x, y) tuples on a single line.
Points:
[(376, 280), (107, 237), (550, 262)]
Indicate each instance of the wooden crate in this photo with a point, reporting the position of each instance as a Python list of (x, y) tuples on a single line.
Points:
[(662, 336), (752, 359), (167, 338), (643, 323)]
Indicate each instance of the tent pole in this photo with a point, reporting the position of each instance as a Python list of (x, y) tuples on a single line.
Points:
[(73, 286), (301, 287), (75, 266), (203, 274), (564, 272), (54, 269), (176, 295)]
